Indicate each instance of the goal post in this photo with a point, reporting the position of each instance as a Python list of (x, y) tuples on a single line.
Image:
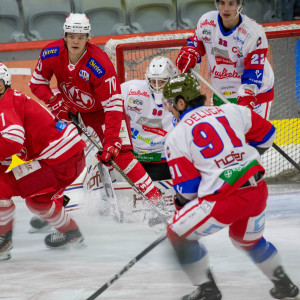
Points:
[(132, 56)]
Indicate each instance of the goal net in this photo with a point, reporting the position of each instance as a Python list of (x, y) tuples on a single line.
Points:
[(131, 57)]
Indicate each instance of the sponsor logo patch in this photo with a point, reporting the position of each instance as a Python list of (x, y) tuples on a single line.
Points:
[(50, 52), (96, 68)]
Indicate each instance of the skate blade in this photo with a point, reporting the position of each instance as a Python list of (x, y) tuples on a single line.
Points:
[(5, 255), (40, 230), (73, 245), (292, 298)]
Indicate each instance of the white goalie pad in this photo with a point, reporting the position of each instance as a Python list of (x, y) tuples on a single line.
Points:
[(133, 207)]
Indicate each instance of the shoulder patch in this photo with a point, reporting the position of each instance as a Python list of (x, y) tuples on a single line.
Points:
[(96, 68), (50, 52)]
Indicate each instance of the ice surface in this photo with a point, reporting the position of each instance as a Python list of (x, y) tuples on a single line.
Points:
[(38, 273)]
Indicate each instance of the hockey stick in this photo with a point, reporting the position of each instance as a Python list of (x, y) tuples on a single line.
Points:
[(81, 126), (126, 268), (104, 173), (203, 80)]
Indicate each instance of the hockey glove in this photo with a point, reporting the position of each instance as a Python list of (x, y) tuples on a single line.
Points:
[(249, 101), (187, 58), (110, 150), (59, 108)]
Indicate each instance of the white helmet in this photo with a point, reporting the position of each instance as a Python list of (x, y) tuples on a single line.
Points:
[(77, 23), (5, 75), (160, 68)]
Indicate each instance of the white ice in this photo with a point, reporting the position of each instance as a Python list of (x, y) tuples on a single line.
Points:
[(37, 273)]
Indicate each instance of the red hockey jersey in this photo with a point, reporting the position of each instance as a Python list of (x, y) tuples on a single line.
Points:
[(90, 85), (29, 130)]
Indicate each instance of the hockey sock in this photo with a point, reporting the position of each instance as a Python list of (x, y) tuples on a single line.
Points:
[(265, 256), (192, 257), (7, 212), (52, 212)]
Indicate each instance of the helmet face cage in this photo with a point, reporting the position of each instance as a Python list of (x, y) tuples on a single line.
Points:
[(5, 76), (185, 85), (77, 23), (159, 71)]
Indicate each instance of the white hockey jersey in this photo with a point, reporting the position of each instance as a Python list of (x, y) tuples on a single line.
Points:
[(210, 152), (150, 122), (236, 59)]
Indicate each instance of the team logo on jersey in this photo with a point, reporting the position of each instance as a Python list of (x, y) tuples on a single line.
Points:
[(50, 52), (96, 68), (259, 41), (84, 75), (77, 96)]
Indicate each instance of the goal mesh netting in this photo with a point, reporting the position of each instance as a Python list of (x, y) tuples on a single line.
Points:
[(131, 57)]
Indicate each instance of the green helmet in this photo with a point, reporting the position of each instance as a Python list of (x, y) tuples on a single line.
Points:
[(185, 85)]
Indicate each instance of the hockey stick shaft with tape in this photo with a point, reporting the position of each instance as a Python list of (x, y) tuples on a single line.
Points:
[(103, 170), (126, 268)]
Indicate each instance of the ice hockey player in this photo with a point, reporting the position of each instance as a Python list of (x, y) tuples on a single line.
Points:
[(88, 84), (236, 51), (214, 157), (30, 131), (149, 121)]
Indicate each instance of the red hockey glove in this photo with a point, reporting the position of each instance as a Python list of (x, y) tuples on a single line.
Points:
[(110, 150), (249, 101), (187, 58), (59, 108)]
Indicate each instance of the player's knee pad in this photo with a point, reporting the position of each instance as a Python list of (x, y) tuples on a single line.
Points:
[(42, 204), (6, 190), (243, 245)]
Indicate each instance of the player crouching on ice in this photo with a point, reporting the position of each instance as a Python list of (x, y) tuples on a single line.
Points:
[(30, 131), (214, 158)]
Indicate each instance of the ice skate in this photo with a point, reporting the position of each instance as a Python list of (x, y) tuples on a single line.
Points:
[(38, 225), (205, 291), (66, 239), (5, 245), (284, 288)]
